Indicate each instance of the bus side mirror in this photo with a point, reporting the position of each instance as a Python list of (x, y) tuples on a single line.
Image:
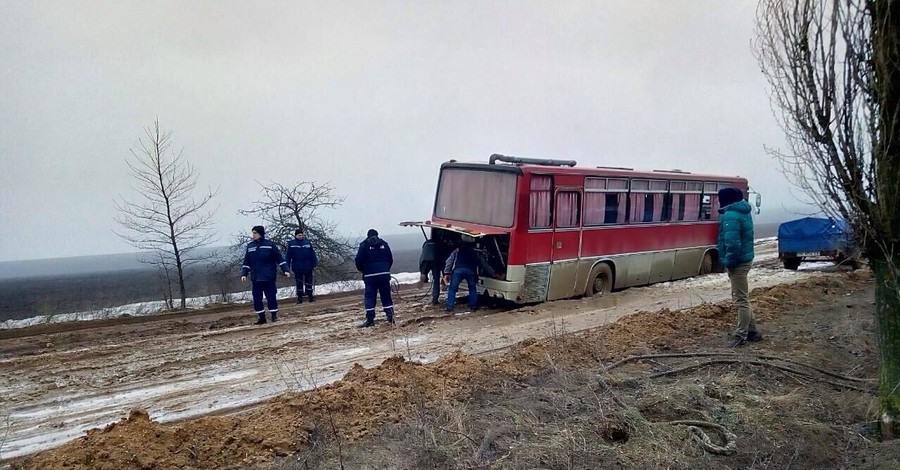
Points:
[(758, 201)]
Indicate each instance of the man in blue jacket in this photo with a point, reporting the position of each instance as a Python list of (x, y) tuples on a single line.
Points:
[(463, 264), (260, 261), (302, 259), (374, 261), (736, 255)]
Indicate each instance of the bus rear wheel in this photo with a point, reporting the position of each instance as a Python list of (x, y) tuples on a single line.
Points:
[(601, 280), (707, 265)]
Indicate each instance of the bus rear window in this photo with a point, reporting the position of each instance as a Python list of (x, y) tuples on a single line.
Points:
[(477, 197)]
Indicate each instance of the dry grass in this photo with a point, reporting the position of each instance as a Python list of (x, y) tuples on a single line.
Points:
[(583, 418)]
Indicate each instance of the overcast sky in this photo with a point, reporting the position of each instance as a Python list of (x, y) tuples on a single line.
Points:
[(370, 96)]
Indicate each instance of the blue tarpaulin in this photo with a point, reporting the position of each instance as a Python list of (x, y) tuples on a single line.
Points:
[(813, 234)]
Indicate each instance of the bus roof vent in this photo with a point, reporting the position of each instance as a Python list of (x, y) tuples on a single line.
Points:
[(530, 161), (615, 168), (676, 170)]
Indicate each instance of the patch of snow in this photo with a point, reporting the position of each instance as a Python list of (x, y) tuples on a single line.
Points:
[(411, 340), (816, 266), (155, 307)]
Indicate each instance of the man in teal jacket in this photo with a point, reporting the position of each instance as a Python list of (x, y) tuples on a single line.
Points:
[(736, 255)]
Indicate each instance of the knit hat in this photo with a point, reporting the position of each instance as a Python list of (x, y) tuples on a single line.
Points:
[(260, 230), (728, 196), (371, 233)]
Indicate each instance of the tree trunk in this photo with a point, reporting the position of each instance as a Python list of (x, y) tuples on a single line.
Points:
[(180, 268), (886, 62), (887, 332), (183, 291)]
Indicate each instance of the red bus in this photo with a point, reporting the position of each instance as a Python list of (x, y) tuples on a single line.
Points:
[(554, 230)]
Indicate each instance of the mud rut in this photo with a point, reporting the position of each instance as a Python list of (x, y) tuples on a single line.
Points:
[(57, 385)]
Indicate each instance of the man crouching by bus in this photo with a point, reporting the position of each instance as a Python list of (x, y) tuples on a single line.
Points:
[(374, 261), (463, 263), (736, 253)]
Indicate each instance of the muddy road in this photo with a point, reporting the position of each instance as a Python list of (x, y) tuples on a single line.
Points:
[(57, 384)]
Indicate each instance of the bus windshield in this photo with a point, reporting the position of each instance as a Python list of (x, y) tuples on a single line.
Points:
[(476, 196)]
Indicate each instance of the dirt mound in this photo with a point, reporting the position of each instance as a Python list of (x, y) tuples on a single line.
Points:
[(367, 399), (354, 407)]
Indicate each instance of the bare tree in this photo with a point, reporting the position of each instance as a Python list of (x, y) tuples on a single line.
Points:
[(224, 266), (165, 218), (282, 209), (834, 73)]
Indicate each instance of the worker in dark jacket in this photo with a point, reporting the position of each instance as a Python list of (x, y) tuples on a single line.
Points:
[(374, 261), (736, 255), (301, 258), (261, 260), (464, 263), (434, 255)]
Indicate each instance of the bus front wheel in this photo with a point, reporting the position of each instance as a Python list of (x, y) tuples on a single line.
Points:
[(601, 280)]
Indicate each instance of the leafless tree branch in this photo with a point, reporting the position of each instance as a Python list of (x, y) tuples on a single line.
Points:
[(282, 209)]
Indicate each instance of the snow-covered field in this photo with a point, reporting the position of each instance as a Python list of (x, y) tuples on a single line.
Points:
[(766, 249), (151, 308)]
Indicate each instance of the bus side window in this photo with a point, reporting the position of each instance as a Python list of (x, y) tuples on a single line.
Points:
[(666, 208), (605, 201), (615, 208), (678, 206), (540, 202), (568, 205), (595, 208), (646, 207), (691, 203), (657, 207), (604, 208), (649, 207)]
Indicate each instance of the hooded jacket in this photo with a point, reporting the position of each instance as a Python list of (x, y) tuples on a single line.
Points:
[(735, 234), (374, 257)]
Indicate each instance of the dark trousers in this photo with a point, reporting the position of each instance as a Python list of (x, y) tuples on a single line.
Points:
[(436, 275), (375, 286), (304, 280), (271, 292), (456, 279)]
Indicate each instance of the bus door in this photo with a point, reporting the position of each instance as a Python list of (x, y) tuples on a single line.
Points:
[(566, 243)]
